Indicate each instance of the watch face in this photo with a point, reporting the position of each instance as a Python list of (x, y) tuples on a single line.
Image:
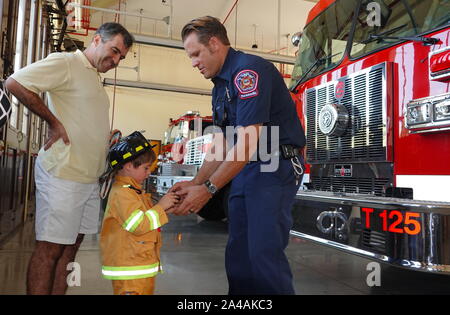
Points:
[(211, 188)]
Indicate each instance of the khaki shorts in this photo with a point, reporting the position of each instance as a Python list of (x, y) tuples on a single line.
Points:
[(64, 208)]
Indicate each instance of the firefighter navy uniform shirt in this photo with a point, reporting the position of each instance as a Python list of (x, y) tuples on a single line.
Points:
[(250, 90)]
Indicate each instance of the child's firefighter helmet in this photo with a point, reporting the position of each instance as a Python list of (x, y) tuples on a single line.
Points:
[(127, 149)]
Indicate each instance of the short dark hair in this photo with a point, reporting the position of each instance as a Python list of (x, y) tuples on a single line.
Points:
[(110, 29), (147, 157), (206, 27)]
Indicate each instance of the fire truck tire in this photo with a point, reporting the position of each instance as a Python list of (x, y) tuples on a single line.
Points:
[(217, 207)]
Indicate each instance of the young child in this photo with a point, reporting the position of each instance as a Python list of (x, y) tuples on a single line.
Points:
[(130, 239)]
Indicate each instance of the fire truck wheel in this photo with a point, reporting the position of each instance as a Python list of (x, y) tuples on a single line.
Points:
[(217, 208)]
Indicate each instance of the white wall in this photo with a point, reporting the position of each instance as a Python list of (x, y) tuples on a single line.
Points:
[(160, 65), (150, 110)]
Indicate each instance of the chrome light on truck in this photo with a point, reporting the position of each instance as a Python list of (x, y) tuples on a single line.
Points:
[(442, 110), (333, 120), (429, 114), (418, 114)]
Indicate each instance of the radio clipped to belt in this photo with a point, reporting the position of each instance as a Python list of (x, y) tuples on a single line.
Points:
[(292, 153)]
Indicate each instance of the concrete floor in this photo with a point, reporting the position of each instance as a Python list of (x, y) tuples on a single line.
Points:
[(193, 260)]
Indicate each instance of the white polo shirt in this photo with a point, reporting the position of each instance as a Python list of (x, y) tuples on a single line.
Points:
[(77, 98)]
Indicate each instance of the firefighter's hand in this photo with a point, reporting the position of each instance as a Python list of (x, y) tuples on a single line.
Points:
[(55, 131), (168, 201), (194, 199), (181, 185)]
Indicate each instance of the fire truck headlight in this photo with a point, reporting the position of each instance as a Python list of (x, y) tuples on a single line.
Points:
[(418, 114), (442, 110)]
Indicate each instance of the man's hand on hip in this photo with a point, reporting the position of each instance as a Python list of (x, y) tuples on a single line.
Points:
[(55, 132)]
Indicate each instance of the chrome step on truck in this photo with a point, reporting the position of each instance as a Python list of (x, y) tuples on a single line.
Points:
[(403, 232)]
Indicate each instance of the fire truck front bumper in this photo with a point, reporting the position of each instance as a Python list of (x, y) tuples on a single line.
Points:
[(406, 233)]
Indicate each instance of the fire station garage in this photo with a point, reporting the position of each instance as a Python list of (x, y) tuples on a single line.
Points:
[(122, 124)]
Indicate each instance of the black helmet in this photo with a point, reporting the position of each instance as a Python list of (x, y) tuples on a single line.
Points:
[(127, 149), (5, 105)]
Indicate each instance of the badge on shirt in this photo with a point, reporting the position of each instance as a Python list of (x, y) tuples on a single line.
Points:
[(246, 82)]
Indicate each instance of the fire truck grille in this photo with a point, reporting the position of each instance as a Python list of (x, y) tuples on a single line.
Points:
[(365, 136), (373, 186)]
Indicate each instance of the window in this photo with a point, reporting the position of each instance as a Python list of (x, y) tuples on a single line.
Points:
[(323, 41), (397, 19)]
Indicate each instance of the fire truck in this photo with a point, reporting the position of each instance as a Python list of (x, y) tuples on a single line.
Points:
[(185, 144), (372, 88), (181, 130)]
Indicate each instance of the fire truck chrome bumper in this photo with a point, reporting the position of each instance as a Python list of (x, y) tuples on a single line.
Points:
[(405, 233), (409, 264), (375, 201)]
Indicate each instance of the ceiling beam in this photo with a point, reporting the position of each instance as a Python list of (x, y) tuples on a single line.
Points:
[(156, 86), (105, 3), (177, 44)]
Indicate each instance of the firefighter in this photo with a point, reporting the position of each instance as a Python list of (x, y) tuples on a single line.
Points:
[(130, 239), (250, 93)]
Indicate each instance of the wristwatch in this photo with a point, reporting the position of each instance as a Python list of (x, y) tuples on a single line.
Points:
[(212, 189)]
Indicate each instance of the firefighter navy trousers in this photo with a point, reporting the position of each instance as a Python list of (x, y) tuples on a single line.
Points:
[(259, 215)]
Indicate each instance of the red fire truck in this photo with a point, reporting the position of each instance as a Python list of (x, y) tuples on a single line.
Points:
[(181, 130), (183, 150), (372, 87)]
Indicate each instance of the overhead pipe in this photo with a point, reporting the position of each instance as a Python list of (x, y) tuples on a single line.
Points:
[(229, 12), (44, 34), (114, 11), (177, 44), (18, 57), (156, 86), (20, 35), (7, 41), (31, 53), (235, 26), (277, 42), (169, 19), (1, 12), (61, 8), (39, 30), (45, 37), (82, 23)]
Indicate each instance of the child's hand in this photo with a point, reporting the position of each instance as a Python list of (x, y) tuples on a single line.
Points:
[(169, 200)]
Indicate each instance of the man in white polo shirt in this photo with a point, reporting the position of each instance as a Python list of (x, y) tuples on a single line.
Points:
[(73, 158)]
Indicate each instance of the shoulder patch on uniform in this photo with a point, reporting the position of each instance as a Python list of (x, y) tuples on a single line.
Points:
[(246, 82)]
